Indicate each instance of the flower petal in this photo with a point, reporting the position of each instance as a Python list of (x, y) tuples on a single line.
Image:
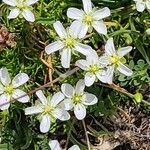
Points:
[(28, 15), (90, 99), (75, 13), (80, 111), (20, 96), (33, 110), (4, 76), (67, 104), (60, 29), (87, 4), (80, 86), (100, 27), (148, 5), (41, 97), (14, 13), (124, 70), (67, 90), (1, 89), (74, 147), (140, 6), (61, 114), (53, 47), (66, 58), (89, 79), (20, 79), (83, 49), (83, 29), (54, 145), (124, 50), (82, 64), (31, 2), (104, 61), (4, 101), (109, 47), (56, 99), (10, 2), (45, 124), (102, 13), (92, 58)]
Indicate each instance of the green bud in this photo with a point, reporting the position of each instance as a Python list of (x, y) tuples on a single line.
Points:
[(138, 97)]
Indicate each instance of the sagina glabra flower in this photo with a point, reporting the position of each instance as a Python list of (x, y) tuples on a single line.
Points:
[(141, 5), (9, 89), (67, 43), (89, 18), (21, 7), (77, 99), (48, 110)]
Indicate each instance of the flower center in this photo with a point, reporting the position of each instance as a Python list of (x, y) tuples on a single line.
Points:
[(87, 19), (48, 109), (21, 4), (76, 99), (9, 89), (94, 68), (70, 42), (115, 59)]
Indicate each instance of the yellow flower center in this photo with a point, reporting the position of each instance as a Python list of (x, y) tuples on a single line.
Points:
[(76, 99), (48, 109), (9, 89), (115, 59), (94, 68), (21, 4), (87, 19), (70, 42)]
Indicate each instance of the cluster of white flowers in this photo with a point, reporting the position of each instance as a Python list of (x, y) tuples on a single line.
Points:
[(70, 41)]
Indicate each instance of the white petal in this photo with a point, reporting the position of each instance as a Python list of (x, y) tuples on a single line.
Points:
[(90, 99), (14, 13), (109, 47), (20, 96), (4, 101), (66, 58), (41, 97), (140, 6), (80, 86), (148, 5), (45, 124), (83, 64), (56, 99), (87, 4), (60, 29), (28, 15), (92, 58), (10, 2), (102, 13), (100, 27), (83, 49), (54, 145), (80, 111), (1, 89), (53, 47), (124, 50), (67, 90), (89, 79), (68, 104), (75, 13), (83, 29), (104, 61), (20, 79), (74, 147), (4, 76), (61, 114), (124, 70), (31, 2), (33, 110)]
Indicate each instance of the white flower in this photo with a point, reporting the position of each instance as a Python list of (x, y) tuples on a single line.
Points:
[(141, 5), (21, 7), (116, 58), (68, 42), (77, 99), (9, 89), (94, 69), (90, 17), (54, 145), (48, 110)]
